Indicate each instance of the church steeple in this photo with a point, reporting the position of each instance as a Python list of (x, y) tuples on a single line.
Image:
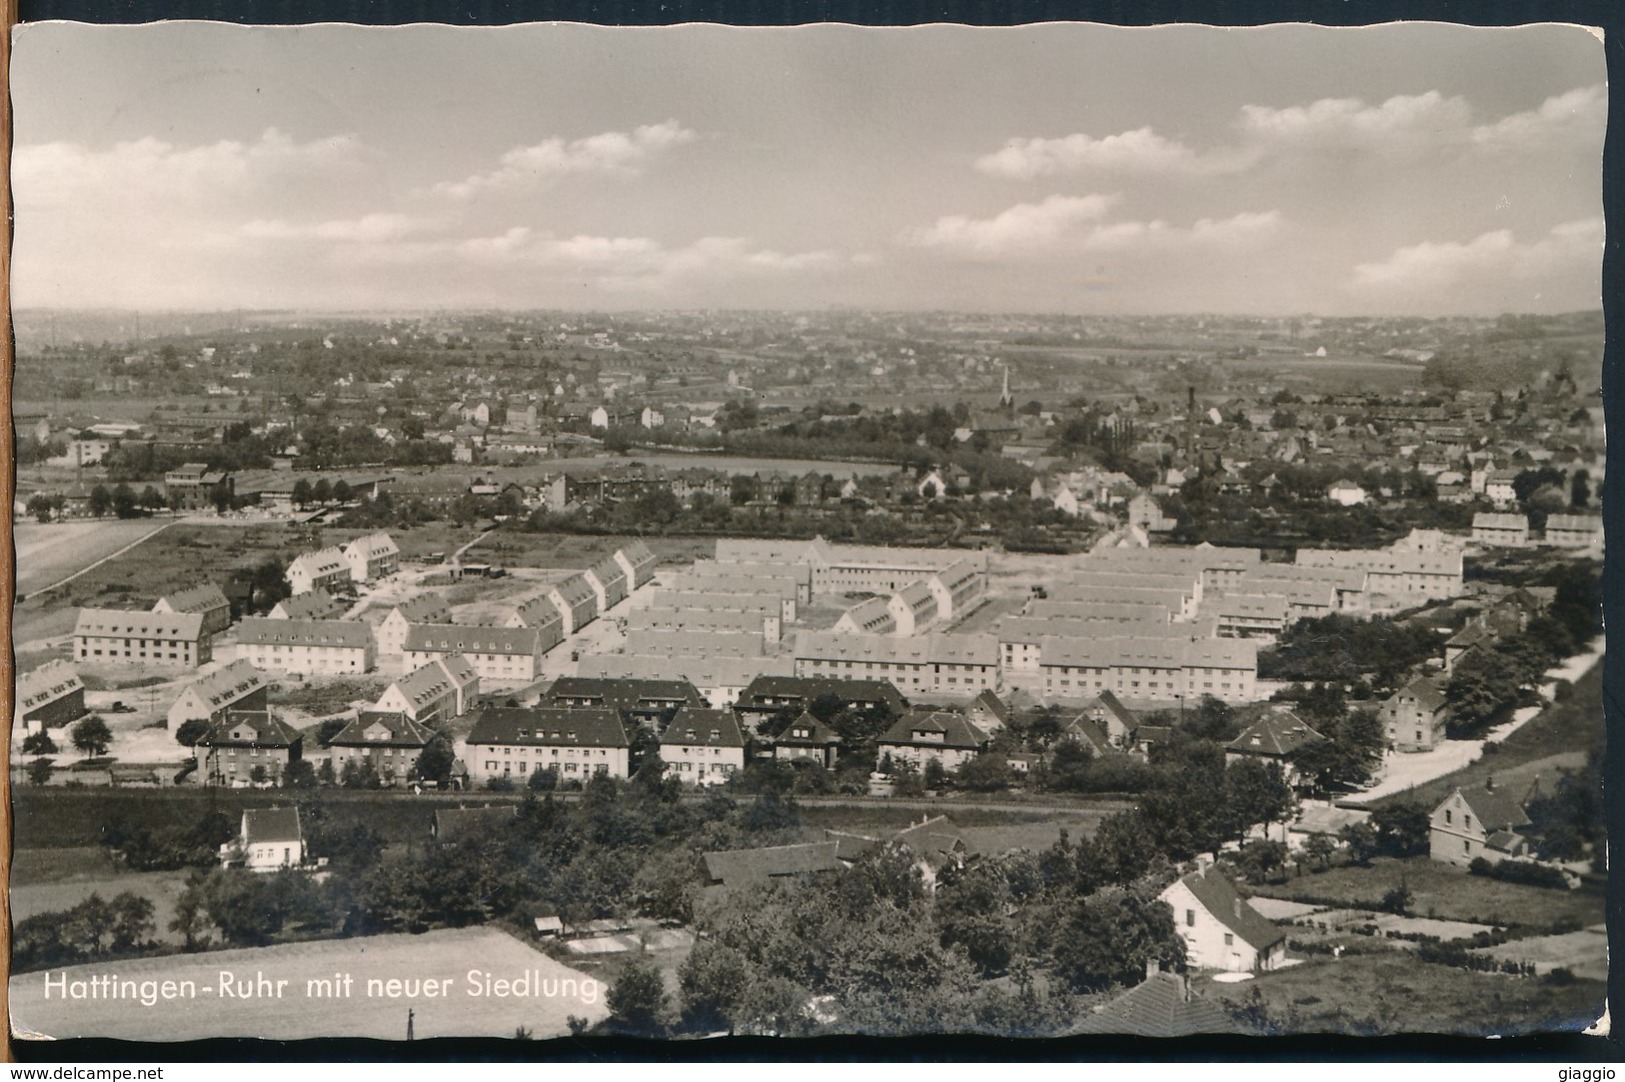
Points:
[(1005, 398)]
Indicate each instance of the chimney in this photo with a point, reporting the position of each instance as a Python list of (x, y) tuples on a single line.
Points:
[(1237, 907), (1152, 968), (1489, 784)]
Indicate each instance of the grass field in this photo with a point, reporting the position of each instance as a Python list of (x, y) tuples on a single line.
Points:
[(1394, 993), (1558, 736), (1444, 891), (161, 888), (49, 552), (442, 958)]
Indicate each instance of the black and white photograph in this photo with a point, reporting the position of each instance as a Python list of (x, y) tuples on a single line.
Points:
[(1049, 531)]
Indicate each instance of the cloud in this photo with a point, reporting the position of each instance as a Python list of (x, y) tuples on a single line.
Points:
[(1565, 251), (1023, 226), (1397, 123), (1578, 114), (610, 153), (1074, 224), (369, 229), (1139, 151)]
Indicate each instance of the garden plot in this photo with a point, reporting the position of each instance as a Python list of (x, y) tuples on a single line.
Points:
[(1583, 953)]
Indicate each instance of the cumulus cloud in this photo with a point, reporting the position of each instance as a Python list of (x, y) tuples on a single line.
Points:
[(610, 153), (1431, 266), (369, 229), (1139, 151), (1074, 223), (1581, 113), (1397, 123)]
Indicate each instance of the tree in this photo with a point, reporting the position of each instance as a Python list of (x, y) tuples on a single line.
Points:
[(1257, 792), (1361, 841), (1258, 859), (330, 728), (1403, 828), (40, 770), (92, 736), (132, 920), (1110, 938), (342, 492), (987, 773), (39, 505), (1319, 848), (300, 774), (715, 982), (124, 502), (744, 489), (301, 493), (434, 763), (191, 731), (101, 501), (638, 1000), (39, 743), (322, 491)]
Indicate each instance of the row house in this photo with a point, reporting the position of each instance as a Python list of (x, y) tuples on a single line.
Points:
[(608, 581), (638, 563), (576, 743), (325, 569), (690, 643), (445, 688), (1021, 638), (247, 747), (1575, 532), (505, 655), (50, 697), (314, 605), (765, 604), (1311, 591), (765, 626), (650, 703), (542, 616), (769, 695), (372, 557), (873, 616), (238, 686), (1179, 603), (703, 746), (942, 663), (1121, 612), (1406, 578), (1148, 669), (207, 601), (1499, 529), (913, 609), (164, 640), (576, 601), (792, 581), (388, 740), (422, 609), (1247, 616), (958, 588), (313, 647), (720, 679)]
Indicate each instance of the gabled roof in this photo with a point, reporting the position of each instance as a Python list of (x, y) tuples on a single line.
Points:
[(624, 694), (1089, 731), (1160, 1007), (747, 867), (271, 825), (315, 605), (1278, 734), (372, 546), (956, 729), (695, 727), (808, 688), (344, 634), (1496, 809), (818, 734), (429, 682), (576, 589), (463, 639), (258, 728), (1111, 704), (425, 609), (228, 684), (549, 726), (637, 553), (326, 561), (139, 625), (608, 570), (1218, 896), (933, 837), (197, 599), (402, 731), (1427, 693), (539, 612), (49, 682), (990, 702)]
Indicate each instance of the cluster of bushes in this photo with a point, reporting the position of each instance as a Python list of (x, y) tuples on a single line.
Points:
[(1520, 871), (94, 929), (1457, 956)]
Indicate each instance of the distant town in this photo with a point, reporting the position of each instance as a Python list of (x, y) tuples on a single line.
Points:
[(1158, 675)]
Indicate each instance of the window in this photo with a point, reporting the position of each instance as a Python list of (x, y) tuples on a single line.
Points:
[(1447, 816), (1190, 918), (1229, 940)]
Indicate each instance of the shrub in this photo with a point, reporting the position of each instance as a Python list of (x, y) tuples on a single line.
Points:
[(1520, 871)]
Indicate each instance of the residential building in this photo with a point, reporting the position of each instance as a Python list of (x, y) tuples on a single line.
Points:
[(207, 601), (576, 601), (1221, 930), (247, 747), (743, 868), (1500, 487), (314, 605), (921, 736), (390, 632), (958, 588), (873, 616), (702, 746), (1346, 493), (576, 742), (444, 688), (387, 739), (1575, 531), (769, 695), (325, 569), (1274, 738), (311, 647), (608, 580), (1480, 822), (1114, 719), (505, 655), (913, 609), (372, 557), (154, 639), (238, 686), (50, 697), (807, 739), (544, 617), (1161, 1006), (1415, 715), (1405, 578), (268, 840), (946, 663), (196, 487), (1146, 669), (650, 703), (1500, 529)]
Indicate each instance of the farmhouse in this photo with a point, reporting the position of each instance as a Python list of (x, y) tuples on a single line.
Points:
[(1221, 931), (703, 746), (445, 688), (249, 747), (920, 736), (505, 655), (389, 740), (316, 647), (510, 742), (325, 569), (50, 697), (372, 557), (164, 640), (207, 601), (238, 686), (269, 839), (423, 609), (1482, 822)]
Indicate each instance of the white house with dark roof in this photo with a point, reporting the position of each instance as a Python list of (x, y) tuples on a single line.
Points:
[(314, 605), (268, 840), (238, 686), (152, 639), (388, 740), (608, 580), (1482, 822), (317, 647), (576, 601), (423, 609), (248, 747), (372, 557), (638, 562), (207, 601), (1221, 931), (504, 655), (702, 746), (50, 697), (445, 688), (324, 569), (576, 742), (921, 736)]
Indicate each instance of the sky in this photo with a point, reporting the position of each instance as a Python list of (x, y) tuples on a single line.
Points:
[(1411, 169)]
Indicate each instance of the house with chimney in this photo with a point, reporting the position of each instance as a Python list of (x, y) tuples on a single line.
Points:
[(701, 746), (238, 686), (1486, 821), (1221, 931), (207, 601), (249, 747), (268, 840)]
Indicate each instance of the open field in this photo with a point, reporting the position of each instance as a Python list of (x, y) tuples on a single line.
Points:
[(1443, 891), (161, 888), (1389, 993), (50, 552), (440, 959), (1583, 953)]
